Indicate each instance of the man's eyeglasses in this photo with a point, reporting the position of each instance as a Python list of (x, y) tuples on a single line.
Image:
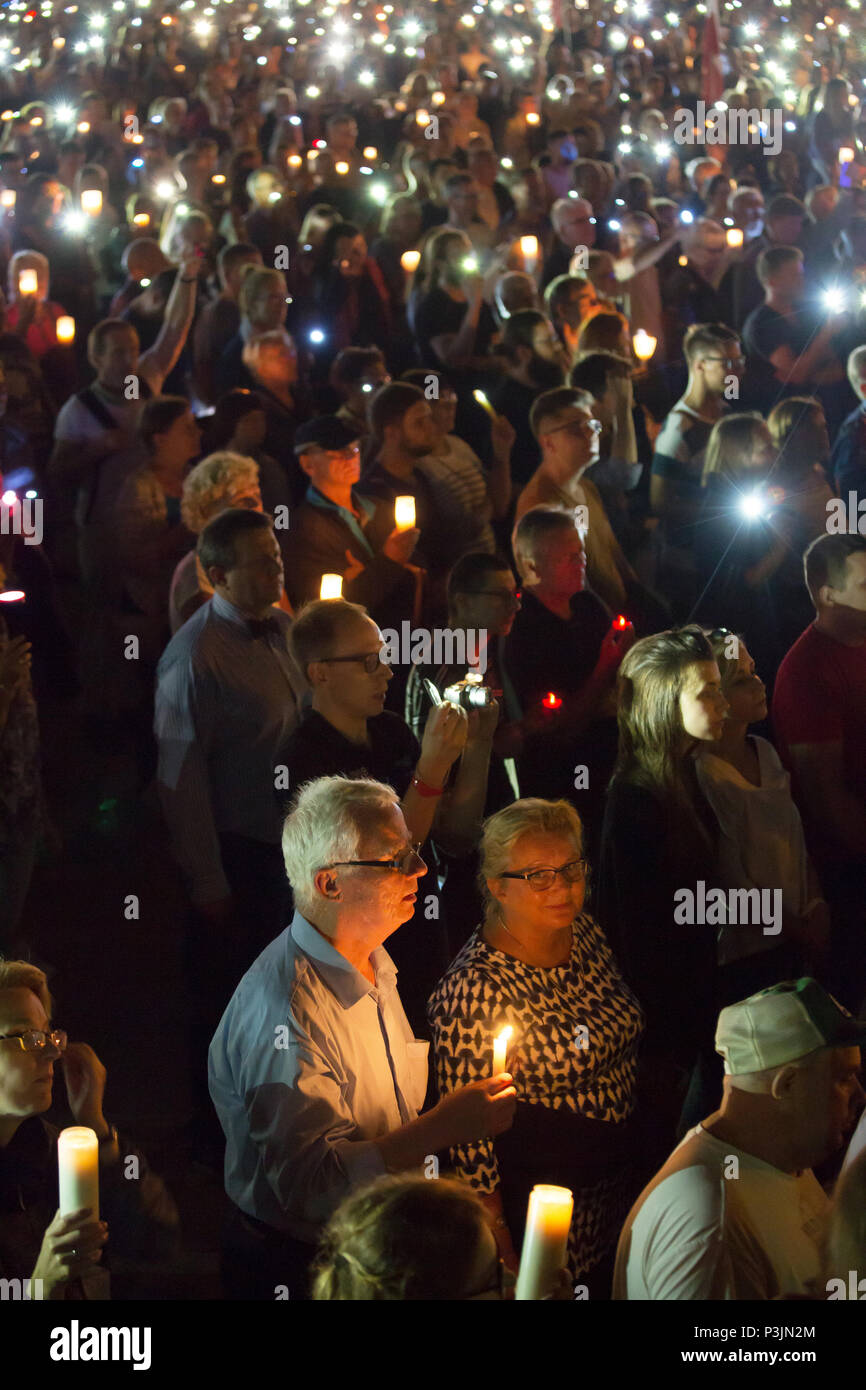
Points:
[(578, 427), (540, 880), (371, 660), (347, 453), (34, 1040), (409, 862), (728, 361)]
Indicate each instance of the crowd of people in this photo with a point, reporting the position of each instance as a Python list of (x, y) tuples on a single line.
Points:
[(444, 480)]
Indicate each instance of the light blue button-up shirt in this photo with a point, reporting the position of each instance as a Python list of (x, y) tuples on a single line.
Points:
[(310, 1065)]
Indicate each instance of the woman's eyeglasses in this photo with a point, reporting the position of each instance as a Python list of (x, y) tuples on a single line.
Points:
[(540, 880), (34, 1040)]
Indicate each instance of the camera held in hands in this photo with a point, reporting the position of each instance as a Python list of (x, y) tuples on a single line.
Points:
[(470, 693)]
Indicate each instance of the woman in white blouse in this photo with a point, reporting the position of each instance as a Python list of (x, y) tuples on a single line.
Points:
[(761, 843)]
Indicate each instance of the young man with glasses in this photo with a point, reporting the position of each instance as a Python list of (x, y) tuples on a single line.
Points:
[(337, 1103), (348, 731), (716, 366), (568, 435), (339, 530)]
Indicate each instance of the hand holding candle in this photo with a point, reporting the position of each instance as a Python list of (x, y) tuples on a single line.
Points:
[(545, 1242), (529, 252)]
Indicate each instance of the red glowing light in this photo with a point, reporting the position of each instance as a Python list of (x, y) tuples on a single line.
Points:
[(551, 701), (620, 621), (12, 596)]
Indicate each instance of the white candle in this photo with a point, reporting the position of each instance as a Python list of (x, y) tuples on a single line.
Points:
[(734, 237), (846, 154), (91, 201), (404, 513), (28, 282), (78, 1169), (644, 345), (545, 1241), (65, 329), (529, 252), (409, 261), (331, 586), (500, 1050), (7, 198)]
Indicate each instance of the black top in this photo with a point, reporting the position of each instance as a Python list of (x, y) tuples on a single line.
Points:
[(647, 854), (514, 400), (436, 314), (317, 749)]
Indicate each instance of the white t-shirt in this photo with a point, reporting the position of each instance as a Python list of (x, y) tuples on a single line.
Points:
[(700, 1232)]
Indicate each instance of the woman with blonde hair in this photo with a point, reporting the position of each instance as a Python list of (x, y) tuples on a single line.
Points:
[(541, 966), (402, 1239)]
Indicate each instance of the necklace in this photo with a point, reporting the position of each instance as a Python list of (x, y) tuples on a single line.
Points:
[(500, 921)]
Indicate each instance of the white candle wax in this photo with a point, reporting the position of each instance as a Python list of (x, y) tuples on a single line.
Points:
[(545, 1241), (78, 1169), (404, 513), (331, 586)]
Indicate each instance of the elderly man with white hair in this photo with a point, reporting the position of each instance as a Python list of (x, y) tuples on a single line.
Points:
[(736, 1212), (848, 459), (574, 224), (314, 1072)]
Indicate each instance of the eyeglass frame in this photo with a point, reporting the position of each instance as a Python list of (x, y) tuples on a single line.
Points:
[(595, 427), (528, 874), (359, 656), (38, 1032), (728, 361), (394, 863)]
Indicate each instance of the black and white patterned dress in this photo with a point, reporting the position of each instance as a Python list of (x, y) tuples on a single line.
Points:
[(577, 1027)]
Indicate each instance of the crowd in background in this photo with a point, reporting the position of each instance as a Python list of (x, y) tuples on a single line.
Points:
[(268, 276)]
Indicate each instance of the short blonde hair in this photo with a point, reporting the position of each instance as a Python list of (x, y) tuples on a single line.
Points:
[(502, 830), (20, 974), (214, 484), (257, 281)]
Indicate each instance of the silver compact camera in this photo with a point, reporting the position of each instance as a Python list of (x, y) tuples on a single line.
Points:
[(470, 693)]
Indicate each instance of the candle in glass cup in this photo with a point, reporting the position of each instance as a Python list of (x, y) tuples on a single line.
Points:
[(500, 1050), (342, 167), (91, 201), (734, 237), (529, 252), (78, 1170), (545, 1241), (8, 198), (331, 586), (28, 282), (644, 345), (533, 118), (846, 154), (65, 329), (141, 219), (370, 152), (404, 513), (409, 261)]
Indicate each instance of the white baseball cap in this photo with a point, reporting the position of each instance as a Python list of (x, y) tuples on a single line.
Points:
[(783, 1023)]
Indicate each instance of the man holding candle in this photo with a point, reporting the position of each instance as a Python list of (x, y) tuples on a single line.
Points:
[(321, 1093), (338, 530)]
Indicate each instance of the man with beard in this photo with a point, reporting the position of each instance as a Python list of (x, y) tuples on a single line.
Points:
[(537, 362)]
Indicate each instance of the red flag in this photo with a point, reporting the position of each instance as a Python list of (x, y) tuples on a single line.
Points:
[(712, 80)]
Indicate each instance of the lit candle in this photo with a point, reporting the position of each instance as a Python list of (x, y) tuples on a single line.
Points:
[(532, 118), (422, 117), (734, 237), (620, 621), (404, 513), (644, 345), (846, 154), (78, 1169), (91, 201), (529, 252), (409, 261), (7, 198), (370, 152), (331, 586), (65, 329), (141, 219), (500, 1050), (482, 400), (295, 161), (83, 127), (218, 178), (545, 1241), (28, 282), (342, 167)]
